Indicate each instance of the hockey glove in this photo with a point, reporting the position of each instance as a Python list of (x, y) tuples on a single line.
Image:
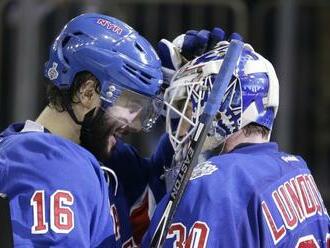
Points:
[(186, 47)]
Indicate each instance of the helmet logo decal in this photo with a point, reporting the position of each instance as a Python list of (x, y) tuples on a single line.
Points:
[(231, 108), (52, 72), (255, 84), (108, 25)]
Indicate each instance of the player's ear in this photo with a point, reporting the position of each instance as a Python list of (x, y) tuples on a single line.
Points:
[(88, 95)]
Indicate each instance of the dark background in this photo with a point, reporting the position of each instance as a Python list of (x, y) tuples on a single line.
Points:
[(294, 35)]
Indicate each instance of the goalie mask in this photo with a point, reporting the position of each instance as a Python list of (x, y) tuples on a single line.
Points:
[(252, 96)]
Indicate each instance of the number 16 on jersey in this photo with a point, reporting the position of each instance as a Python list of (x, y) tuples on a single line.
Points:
[(61, 216)]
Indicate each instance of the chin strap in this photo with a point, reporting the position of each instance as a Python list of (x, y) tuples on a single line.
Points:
[(89, 122), (68, 108)]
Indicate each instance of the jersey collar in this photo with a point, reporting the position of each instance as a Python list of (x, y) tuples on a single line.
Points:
[(255, 147), (19, 127), (32, 126)]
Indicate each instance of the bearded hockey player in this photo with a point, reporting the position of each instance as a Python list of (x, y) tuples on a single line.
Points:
[(104, 80), (251, 194)]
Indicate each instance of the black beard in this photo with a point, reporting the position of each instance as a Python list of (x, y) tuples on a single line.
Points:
[(95, 132)]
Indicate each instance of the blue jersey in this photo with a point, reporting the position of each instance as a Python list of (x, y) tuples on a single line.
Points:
[(57, 191), (254, 196), (140, 187)]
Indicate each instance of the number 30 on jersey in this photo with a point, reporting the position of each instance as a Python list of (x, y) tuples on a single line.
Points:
[(197, 236)]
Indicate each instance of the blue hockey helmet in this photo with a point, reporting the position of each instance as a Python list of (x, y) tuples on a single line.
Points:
[(251, 97), (108, 48)]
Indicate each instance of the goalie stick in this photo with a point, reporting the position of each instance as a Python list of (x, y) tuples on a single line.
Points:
[(6, 234), (213, 104)]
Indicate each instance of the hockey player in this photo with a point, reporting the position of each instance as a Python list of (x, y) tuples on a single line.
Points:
[(251, 194), (104, 80), (140, 183)]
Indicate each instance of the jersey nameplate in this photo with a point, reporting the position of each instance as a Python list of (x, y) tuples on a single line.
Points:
[(297, 200)]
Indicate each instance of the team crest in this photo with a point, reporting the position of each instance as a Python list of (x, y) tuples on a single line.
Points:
[(203, 169), (52, 72)]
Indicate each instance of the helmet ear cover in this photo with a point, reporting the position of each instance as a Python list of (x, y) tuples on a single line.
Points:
[(62, 99)]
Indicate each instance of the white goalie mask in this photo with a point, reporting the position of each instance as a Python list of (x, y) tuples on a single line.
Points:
[(251, 97), (185, 100)]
